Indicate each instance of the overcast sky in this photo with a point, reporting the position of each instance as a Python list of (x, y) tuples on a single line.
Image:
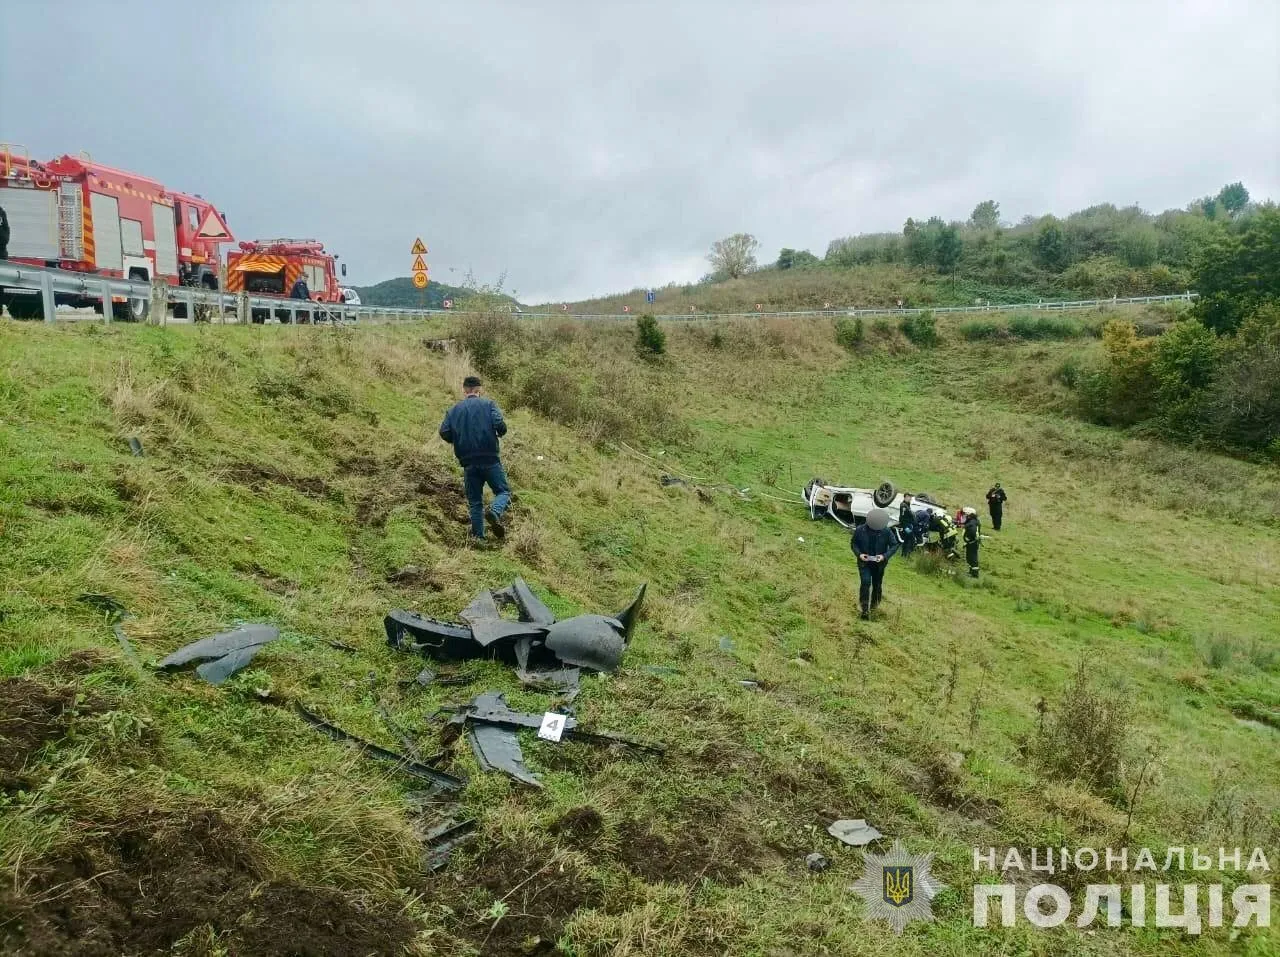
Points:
[(592, 147)]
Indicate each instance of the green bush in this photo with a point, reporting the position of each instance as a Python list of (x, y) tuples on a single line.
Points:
[(650, 339), (485, 337), (976, 330), (1024, 326), (850, 333), (1067, 372), (920, 328)]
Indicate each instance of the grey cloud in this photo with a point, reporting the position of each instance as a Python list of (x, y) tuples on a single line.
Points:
[(585, 148)]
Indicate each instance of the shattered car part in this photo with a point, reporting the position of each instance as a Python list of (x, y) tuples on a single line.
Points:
[(115, 614), (443, 839), (498, 749), (443, 781), (536, 643), (855, 833), (531, 607), (490, 726), (224, 654), (588, 641), (817, 863)]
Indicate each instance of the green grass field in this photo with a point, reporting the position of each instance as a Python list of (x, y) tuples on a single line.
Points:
[(291, 474)]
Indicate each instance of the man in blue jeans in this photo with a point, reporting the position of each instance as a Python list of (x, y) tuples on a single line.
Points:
[(473, 427), (873, 544)]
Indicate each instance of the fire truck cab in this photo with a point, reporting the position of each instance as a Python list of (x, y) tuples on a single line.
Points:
[(272, 267), (72, 213)]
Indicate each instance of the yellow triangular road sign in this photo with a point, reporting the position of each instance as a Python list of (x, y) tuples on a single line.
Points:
[(419, 265), (419, 249)]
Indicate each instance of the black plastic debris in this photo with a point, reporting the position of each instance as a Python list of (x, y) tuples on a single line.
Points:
[(443, 839), (115, 614), (498, 749), (670, 480), (490, 726), (417, 769), (817, 863), (537, 644), (135, 446), (223, 654)]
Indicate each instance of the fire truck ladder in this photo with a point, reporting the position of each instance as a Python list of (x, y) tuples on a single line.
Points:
[(70, 221)]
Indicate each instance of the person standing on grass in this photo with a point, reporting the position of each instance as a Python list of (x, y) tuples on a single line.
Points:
[(972, 539), (995, 502), (473, 427), (906, 525), (873, 544)]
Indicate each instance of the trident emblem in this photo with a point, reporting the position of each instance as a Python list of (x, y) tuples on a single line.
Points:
[(898, 886)]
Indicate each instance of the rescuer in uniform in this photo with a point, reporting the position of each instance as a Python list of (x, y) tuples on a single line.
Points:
[(972, 539), (473, 427), (300, 290), (873, 544), (995, 502)]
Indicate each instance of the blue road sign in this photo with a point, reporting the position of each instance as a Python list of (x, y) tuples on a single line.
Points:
[(650, 296)]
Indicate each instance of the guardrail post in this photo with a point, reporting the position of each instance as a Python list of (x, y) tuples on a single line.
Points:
[(159, 315), (242, 309), (106, 300), (47, 298)]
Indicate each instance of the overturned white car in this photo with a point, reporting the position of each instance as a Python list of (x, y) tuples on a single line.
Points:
[(849, 506)]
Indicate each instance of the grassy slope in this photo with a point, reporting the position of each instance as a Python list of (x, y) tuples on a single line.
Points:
[(259, 499), (810, 288)]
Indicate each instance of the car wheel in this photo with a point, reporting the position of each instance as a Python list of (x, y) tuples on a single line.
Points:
[(885, 494)]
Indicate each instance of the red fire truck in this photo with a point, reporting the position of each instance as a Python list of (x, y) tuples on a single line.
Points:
[(271, 267), (73, 213)]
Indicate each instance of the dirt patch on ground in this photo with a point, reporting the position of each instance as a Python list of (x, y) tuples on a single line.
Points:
[(579, 827), (514, 902), (143, 883), (706, 841), (259, 477), (33, 715), (717, 850), (402, 478)]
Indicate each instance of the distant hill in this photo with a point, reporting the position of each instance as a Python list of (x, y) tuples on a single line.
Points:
[(401, 293)]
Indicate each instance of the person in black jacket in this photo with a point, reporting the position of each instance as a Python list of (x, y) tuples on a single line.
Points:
[(873, 544), (972, 539), (906, 525), (299, 289), (4, 248), (995, 502), (473, 427)]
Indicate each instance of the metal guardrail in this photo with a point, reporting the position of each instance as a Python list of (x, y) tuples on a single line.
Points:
[(53, 282)]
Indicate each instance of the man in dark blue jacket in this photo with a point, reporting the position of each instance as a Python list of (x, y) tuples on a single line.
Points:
[(473, 427), (873, 544)]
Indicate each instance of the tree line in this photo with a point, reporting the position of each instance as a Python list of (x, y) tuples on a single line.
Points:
[(1101, 251)]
